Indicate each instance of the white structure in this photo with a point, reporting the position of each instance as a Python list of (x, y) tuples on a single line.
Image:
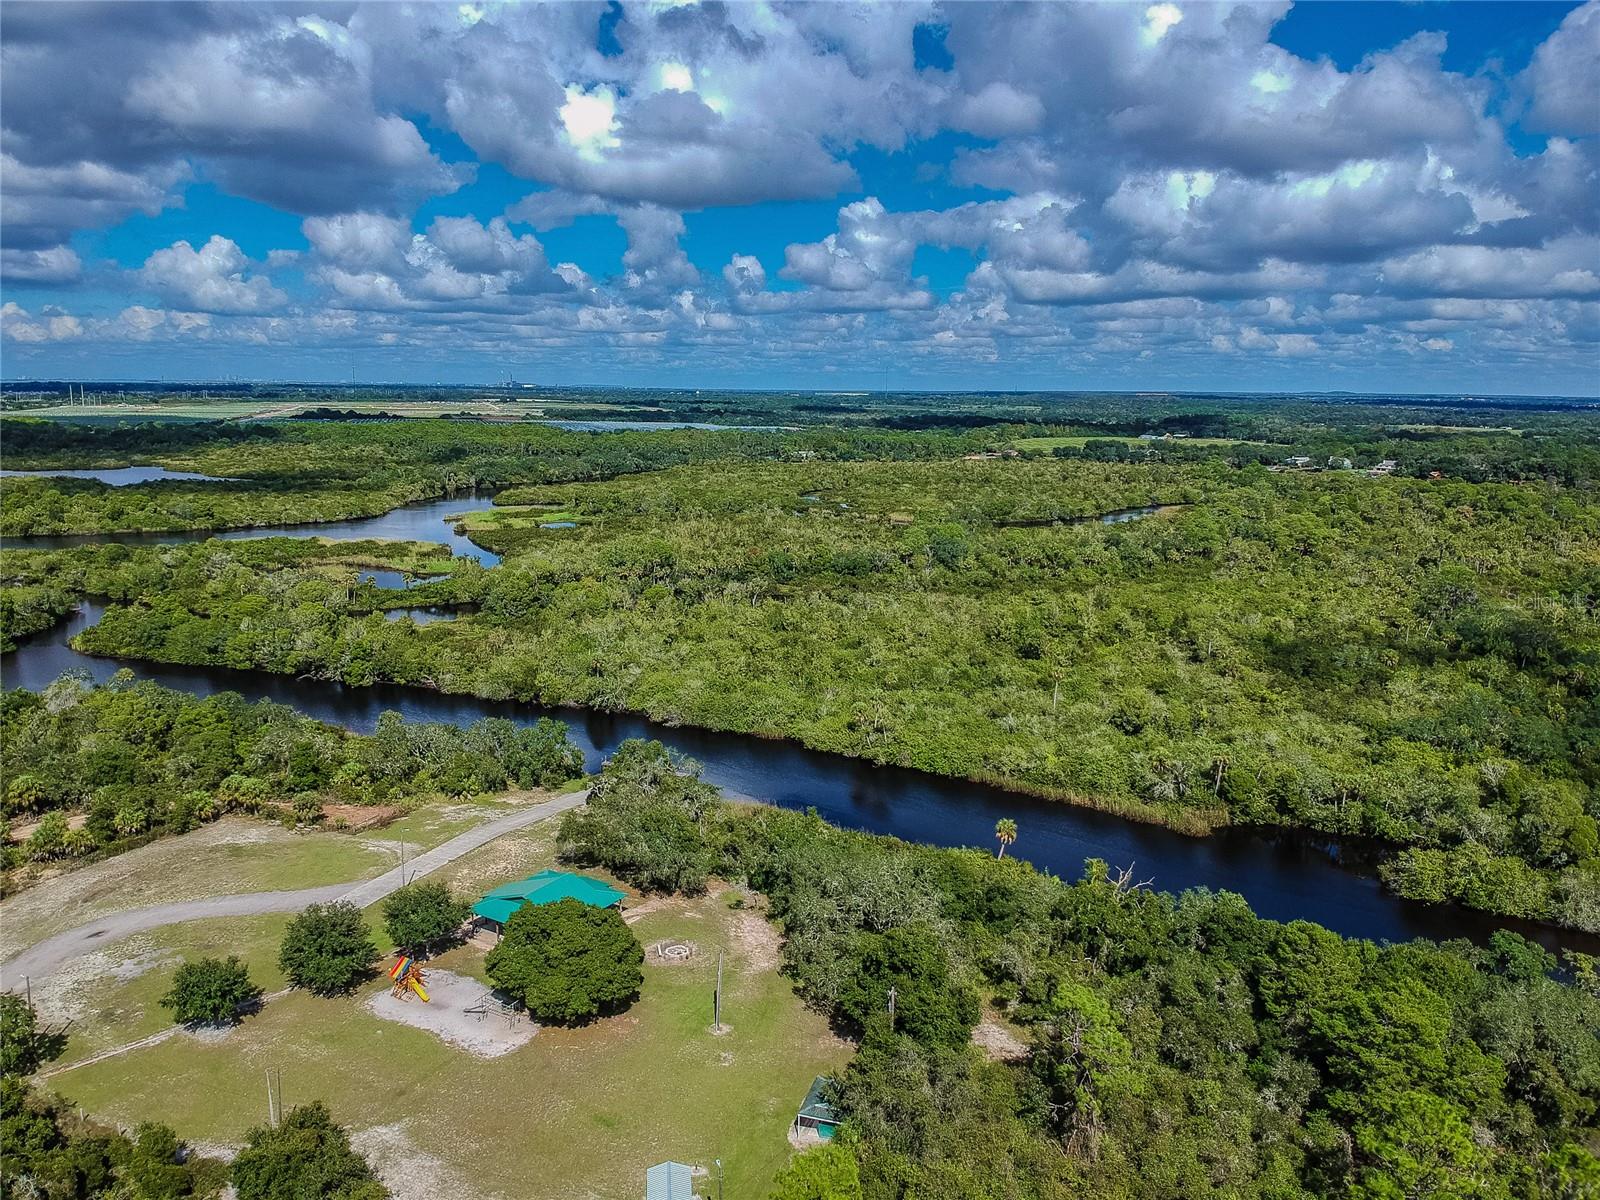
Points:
[(668, 1181)]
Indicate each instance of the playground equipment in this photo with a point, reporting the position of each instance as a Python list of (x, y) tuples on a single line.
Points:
[(408, 978)]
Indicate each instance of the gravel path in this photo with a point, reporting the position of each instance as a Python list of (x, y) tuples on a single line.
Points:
[(39, 960)]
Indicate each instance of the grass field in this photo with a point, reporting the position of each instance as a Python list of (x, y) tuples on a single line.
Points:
[(574, 1113), (578, 1112), (235, 854)]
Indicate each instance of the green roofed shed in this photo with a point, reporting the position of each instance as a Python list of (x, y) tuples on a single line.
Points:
[(669, 1181), (545, 888), (816, 1115)]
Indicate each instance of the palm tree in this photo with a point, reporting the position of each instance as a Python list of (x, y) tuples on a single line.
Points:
[(1005, 832)]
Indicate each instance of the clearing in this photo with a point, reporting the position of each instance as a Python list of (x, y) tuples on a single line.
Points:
[(649, 1084)]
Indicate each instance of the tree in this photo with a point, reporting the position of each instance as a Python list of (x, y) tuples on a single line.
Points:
[(307, 1157), (930, 1005), (327, 949), (23, 1045), (1005, 832), (646, 819), (421, 915), (567, 961), (210, 992), (826, 1173)]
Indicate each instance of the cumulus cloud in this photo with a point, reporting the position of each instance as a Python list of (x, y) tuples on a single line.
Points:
[(1125, 181), (1562, 81), (212, 279), (368, 260), (55, 265)]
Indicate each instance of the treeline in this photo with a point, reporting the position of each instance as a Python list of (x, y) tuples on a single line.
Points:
[(319, 471), (1403, 660), (95, 770), (1173, 1048)]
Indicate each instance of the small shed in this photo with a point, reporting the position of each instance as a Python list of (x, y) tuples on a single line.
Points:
[(669, 1181), (816, 1115), (546, 887)]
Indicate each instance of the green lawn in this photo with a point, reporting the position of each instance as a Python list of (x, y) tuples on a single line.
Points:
[(235, 854), (574, 1112)]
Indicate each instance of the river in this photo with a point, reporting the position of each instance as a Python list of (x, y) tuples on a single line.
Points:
[(1284, 876)]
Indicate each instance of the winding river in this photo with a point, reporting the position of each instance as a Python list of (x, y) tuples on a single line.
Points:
[(1283, 875)]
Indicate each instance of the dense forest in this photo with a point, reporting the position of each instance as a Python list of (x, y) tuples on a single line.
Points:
[(1172, 1048), (90, 771), (1411, 660)]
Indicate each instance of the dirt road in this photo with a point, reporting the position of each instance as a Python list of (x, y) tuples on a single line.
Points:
[(39, 960)]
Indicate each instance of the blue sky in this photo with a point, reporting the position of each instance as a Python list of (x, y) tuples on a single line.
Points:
[(1367, 197)]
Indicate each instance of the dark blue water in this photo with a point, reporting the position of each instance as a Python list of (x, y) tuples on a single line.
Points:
[(118, 476), (427, 615), (1284, 877)]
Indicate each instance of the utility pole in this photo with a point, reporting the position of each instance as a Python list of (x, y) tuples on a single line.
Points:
[(272, 1119), (891, 1008), (716, 1007)]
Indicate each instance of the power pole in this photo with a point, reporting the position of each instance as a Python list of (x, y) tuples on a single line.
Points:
[(716, 1007), (271, 1117)]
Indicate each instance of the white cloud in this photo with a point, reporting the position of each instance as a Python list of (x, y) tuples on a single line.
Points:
[(211, 279)]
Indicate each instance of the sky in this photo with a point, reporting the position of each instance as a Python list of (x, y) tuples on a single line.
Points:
[(832, 196)]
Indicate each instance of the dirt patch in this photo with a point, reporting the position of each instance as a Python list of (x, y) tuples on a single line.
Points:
[(409, 1172), (21, 833), (759, 945), (65, 994), (448, 1016), (998, 1042), (357, 817)]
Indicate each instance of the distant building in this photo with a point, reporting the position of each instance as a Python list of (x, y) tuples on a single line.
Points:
[(1387, 467), (1297, 460), (669, 1181), (495, 909)]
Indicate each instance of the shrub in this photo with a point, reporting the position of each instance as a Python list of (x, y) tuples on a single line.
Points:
[(307, 1157), (421, 915), (327, 949), (210, 991), (826, 1173), (23, 1045), (567, 962)]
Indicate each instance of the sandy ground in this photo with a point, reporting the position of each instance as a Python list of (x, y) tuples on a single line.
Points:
[(406, 1170), (445, 1015), (997, 1042)]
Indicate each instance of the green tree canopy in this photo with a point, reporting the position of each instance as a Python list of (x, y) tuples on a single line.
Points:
[(567, 961), (327, 949), (210, 991), (646, 819), (307, 1157), (826, 1173), (421, 915)]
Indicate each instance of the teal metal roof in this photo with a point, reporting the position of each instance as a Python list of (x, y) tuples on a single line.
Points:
[(815, 1107), (545, 888), (669, 1181)]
